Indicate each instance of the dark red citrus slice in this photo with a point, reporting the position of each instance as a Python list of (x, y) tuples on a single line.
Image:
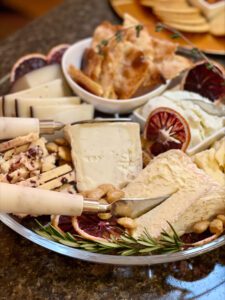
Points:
[(91, 227), (204, 80), (62, 223), (27, 64), (55, 54), (166, 129)]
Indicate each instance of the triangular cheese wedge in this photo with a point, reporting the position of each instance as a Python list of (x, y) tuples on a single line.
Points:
[(198, 196)]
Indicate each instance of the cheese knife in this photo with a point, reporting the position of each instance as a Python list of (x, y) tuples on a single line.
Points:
[(14, 127), (33, 201)]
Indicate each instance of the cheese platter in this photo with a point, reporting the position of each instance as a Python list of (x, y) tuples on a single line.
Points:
[(145, 189)]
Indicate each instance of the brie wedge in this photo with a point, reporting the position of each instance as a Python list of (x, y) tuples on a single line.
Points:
[(105, 153), (196, 196)]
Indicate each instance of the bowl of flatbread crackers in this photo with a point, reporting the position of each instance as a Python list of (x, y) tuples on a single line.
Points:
[(121, 67)]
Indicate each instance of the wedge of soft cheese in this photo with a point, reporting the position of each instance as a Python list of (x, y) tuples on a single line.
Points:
[(105, 153), (64, 113), (56, 88), (37, 77), (196, 196), (23, 105)]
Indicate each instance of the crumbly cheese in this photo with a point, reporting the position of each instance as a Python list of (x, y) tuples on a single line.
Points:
[(105, 153), (196, 196)]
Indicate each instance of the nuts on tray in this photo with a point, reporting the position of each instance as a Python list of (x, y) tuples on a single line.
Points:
[(216, 226), (200, 227)]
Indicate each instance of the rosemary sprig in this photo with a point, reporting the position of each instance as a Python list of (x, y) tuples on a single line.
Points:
[(194, 50), (124, 245)]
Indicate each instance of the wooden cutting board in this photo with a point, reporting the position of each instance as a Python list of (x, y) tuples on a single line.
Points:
[(205, 41)]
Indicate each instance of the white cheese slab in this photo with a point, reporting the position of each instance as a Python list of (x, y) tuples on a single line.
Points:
[(23, 104), (37, 77), (56, 88), (105, 153)]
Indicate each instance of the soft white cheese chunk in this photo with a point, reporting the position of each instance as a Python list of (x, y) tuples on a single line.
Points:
[(201, 123), (105, 153)]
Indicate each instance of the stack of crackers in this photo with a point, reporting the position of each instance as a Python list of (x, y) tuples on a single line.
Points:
[(181, 15)]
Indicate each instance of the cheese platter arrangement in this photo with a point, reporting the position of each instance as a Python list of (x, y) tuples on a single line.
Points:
[(142, 185)]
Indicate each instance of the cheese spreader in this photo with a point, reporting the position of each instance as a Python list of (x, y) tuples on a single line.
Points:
[(20, 199), (14, 127)]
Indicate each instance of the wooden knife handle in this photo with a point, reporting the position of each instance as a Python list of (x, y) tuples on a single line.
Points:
[(33, 201)]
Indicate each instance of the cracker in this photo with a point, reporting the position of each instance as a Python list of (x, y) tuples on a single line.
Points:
[(87, 83), (189, 28)]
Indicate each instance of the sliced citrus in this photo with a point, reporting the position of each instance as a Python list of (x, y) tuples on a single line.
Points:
[(27, 64), (207, 80), (166, 129), (93, 228), (55, 54)]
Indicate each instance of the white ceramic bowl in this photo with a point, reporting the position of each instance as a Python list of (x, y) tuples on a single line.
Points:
[(73, 56)]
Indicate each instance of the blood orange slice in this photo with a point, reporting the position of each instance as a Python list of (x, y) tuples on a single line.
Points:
[(91, 227), (55, 54), (204, 80), (166, 129), (27, 64)]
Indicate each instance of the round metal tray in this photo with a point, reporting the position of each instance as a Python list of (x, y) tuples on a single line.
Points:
[(105, 258)]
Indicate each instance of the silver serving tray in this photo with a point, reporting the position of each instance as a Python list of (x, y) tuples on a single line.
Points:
[(105, 258)]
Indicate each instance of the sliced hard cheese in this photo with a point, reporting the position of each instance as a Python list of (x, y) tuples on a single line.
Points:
[(198, 197), (23, 104), (56, 88), (37, 77), (46, 176), (64, 113), (105, 153)]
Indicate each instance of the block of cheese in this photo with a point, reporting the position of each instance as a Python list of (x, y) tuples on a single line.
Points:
[(196, 196), (37, 77), (23, 104), (108, 152), (56, 88), (64, 113), (212, 161)]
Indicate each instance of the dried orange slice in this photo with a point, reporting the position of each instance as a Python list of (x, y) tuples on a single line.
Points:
[(27, 64), (55, 54), (166, 129), (91, 227), (207, 81)]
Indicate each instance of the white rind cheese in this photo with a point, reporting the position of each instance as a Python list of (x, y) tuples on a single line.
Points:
[(64, 113), (105, 153), (56, 88), (23, 104), (198, 197), (37, 77)]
